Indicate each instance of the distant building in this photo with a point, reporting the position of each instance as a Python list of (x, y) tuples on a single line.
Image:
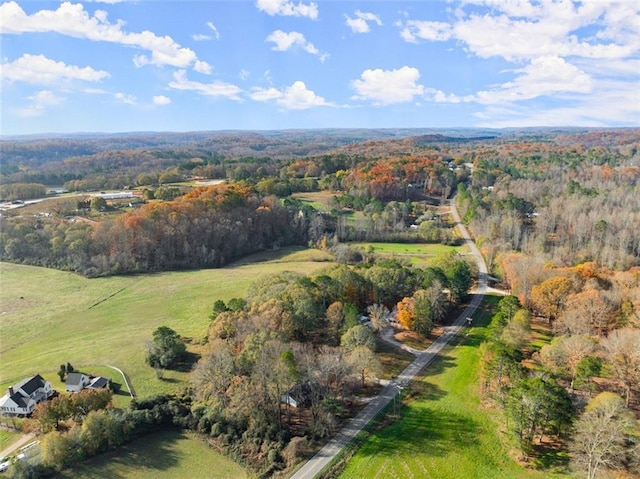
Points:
[(22, 398)]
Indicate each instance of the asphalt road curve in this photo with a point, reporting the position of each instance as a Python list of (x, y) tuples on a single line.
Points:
[(335, 445)]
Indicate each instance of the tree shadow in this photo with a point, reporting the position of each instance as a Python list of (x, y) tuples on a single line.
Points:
[(186, 365), (152, 453)]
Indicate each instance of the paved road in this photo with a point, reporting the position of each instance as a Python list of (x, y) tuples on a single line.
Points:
[(335, 445)]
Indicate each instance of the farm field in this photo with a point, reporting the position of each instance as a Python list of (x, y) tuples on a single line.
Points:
[(163, 455), (51, 317), (443, 432)]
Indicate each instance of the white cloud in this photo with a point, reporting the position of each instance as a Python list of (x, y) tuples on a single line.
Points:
[(284, 41), (543, 76), (294, 97), (414, 29), (200, 37), (244, 74), (126, 99), (202, 67), (38, 69), (360, 22), (216, 88), (385, 87), (213, 28), (518, 30), (72, 20), (40, 102), (161, 100), (287, 8)]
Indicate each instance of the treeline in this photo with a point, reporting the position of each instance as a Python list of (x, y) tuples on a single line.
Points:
[(206, 228), (22, 191)]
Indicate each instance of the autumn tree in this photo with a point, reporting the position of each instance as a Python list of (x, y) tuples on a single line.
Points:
[(213, 374), (550, 296), (406, 312)]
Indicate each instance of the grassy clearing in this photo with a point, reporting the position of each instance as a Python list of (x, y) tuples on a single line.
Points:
[(444, 432), (49, 317), (165, 455), (418, 253), (320, 200)]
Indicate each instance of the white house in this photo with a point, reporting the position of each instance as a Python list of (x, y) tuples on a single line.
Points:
[(76, 382), (22, 398)]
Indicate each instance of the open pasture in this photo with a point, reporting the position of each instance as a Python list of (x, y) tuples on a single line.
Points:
[(50, 317)]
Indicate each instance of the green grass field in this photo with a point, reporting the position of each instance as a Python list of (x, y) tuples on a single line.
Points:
[(164, 455), (418, 253), (49, 317), (443, 432)]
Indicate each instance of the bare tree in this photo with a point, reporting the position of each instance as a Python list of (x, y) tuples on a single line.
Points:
[(378, 315), (622, 348), (599, 440)]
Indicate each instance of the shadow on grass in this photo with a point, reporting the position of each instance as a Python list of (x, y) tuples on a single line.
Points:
[(153, 453), (423, 431), (551, 458)]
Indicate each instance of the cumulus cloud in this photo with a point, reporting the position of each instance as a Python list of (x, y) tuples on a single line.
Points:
[(286, 8), (216, 88), (72, 20), (284, 41), (543, 76), (294, 97), (39, 103), (161, 100), (385, 87), (359, 23), (38, 69)]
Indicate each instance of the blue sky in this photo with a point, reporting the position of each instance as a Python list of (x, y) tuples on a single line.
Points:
[(116, 66)]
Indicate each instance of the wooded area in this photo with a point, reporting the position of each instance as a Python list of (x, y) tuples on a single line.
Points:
[(555, 213)]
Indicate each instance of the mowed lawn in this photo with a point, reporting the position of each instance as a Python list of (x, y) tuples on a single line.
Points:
[(169, 454), (49, 317), (443, 433)]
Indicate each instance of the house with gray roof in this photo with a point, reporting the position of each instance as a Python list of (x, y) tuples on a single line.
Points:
[(22, 398)]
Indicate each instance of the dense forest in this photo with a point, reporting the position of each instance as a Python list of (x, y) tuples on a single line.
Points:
[(556, 214)]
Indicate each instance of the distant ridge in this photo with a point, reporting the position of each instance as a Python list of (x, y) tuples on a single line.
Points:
[(424, 140)]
